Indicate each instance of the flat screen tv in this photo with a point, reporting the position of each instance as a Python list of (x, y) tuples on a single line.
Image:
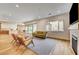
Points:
[(74, 13)]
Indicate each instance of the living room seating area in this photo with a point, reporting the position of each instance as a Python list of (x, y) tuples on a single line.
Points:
[(40, 34)]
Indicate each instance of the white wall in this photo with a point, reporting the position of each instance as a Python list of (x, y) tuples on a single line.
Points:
[(41, 26), (8, 26), (21, 28), (65, 33)]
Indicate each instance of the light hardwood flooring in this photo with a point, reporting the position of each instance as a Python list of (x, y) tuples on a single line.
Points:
[(62, 48), (6, 48)]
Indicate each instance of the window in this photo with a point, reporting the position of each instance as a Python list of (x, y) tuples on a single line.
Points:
[(55, 26), (47, 27), (61, 26), (34, 27), (31, 28)]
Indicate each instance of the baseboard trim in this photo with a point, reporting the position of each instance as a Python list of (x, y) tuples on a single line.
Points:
[(58, 38)]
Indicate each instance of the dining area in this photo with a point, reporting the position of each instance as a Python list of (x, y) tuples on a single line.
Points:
[(16, 44)]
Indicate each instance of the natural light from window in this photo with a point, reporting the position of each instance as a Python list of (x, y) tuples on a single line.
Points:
[(31, 28), (55, 26)]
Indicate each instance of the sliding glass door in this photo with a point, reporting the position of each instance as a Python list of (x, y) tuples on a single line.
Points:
[(31, 28), (34, 27)]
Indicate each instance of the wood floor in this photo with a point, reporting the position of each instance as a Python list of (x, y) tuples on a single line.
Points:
[(62, 48), (7, 48)]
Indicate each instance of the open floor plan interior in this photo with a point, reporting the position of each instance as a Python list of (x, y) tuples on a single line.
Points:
[(39, 29)]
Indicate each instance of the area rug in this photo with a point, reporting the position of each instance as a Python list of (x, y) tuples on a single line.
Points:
[(43, 46)]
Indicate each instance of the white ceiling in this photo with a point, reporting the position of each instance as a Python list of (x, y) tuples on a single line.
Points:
[(31, 11)]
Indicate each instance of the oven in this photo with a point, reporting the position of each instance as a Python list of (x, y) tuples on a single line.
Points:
[(74, 43)]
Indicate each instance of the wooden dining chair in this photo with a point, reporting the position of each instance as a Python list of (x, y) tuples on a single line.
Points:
[(21, 42), (24, 42), (14, 39)]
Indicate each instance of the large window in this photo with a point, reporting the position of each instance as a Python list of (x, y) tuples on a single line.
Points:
[(34, 27), (31, 28), (55, 26)]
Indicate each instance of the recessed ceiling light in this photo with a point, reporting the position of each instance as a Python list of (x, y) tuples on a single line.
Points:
[(17, 6)]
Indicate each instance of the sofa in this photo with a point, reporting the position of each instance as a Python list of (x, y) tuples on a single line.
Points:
[(39, 34)]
